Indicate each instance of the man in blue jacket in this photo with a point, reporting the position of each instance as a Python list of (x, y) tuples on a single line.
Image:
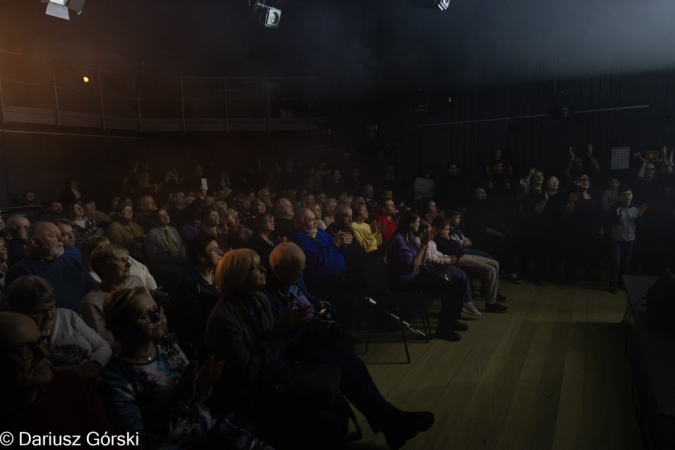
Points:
[(326, 272)]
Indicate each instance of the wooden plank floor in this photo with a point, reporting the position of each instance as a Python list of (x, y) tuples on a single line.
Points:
[(549, 374)]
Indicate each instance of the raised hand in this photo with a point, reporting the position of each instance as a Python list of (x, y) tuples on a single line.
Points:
[(642, 209), (575, 196), (640, 156), (572, 155), (590, 150), (545, 196), (187, 383), (285, 323), (340, 239), (209, 373), (620, 211), (428, 235)]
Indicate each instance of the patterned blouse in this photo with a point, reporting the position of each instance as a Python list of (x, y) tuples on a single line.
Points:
[(141, 398)]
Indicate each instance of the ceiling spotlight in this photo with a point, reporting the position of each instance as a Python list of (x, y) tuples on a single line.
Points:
[(86, 79), (266, 15), (59, 8), (433, 4)]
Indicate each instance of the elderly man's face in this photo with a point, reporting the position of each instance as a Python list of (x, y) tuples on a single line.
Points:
[(67, 235), (48, 242), (265, 195), (345, 219), (308, 223), (19, 229), (26, 356), (148, 204), (162, 218)]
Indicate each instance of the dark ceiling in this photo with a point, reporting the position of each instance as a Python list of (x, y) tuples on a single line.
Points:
[(349, 45)]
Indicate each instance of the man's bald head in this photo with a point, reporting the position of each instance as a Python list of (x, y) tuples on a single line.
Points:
[(287, 261)]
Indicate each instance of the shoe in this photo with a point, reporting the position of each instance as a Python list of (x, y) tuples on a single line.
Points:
[(513, 278), (447, 335), (495, 307), (424, 419), (613, 288), (403, 426), (459, 326), (470, 309), (501, 298)]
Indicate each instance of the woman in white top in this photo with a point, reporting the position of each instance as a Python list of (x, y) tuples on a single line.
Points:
[(138, 269), (72, 344)]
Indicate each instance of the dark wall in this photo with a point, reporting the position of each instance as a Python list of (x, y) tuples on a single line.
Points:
[(40, 161)]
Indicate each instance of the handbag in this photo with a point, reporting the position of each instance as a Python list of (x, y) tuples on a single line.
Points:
[(314, 383)]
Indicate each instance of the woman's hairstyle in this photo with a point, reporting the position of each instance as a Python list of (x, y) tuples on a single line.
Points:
[(259, 222), (425, 205), (102, 255), (121, 206), (405, 222), (69, 209), (233, 267), (28, 292), (254, 205), (205, 211), (197, 246), (88, 246), (117, 309)]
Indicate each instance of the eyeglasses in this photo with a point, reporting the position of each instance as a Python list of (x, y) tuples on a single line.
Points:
[(29, 350), (270, 219), (152, 316), (216, 251), (44, 311), (121, 260)]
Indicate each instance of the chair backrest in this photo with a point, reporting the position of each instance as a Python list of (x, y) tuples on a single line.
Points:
[(375, 274)]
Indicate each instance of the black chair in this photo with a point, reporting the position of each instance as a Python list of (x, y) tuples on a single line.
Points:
[(393, 303)]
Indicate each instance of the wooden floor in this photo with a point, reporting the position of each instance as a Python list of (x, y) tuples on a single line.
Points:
[(549, 374)]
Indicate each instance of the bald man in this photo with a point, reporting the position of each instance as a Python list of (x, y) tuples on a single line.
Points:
[(36, 399), (70, 279), (316, 343)]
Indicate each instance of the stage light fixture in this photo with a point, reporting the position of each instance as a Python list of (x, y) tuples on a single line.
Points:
[(433, 4), (59, 8), (266, 15), (86, 79)]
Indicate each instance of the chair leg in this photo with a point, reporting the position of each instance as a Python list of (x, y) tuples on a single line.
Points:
[(370, 328), (405, 341), (426, 323)]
